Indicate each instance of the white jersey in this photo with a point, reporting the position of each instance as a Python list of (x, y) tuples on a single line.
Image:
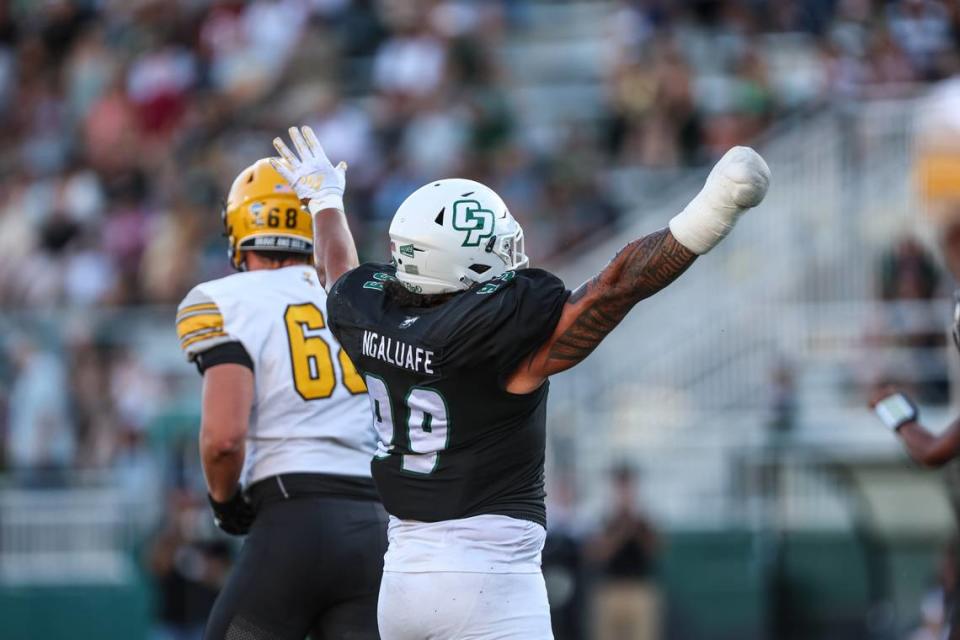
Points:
[(310, 413)]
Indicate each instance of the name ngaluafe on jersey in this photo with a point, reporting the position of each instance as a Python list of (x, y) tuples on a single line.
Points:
[(397, 353)]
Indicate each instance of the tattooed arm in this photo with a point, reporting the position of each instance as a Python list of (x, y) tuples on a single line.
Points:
[(738, 182), (639, 270)]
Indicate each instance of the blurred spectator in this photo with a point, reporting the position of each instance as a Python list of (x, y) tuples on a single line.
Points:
[(563, 567), (412, 62), (627, 599), (908, 272), (909, 275), (188, 567), (348, 134), (922, 29), (938, 609), (784, 403), (41, 437)]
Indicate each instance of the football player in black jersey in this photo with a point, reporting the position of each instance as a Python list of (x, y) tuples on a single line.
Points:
[(456, 339)]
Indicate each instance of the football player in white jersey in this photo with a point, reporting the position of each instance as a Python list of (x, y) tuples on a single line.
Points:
[(286, 437)]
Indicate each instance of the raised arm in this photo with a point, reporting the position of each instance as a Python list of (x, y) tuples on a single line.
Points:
[(638, 271), (738, 182), (333, 247), (320, 186)]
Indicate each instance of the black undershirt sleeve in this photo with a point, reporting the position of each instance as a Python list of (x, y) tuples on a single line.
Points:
[(226, 353)]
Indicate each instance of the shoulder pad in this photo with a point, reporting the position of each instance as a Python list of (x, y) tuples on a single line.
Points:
[(345, 303), (199, 323), (369, 275), (505, 318)]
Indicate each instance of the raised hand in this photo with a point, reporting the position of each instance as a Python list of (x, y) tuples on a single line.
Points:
[(314, 179), (738, 182)]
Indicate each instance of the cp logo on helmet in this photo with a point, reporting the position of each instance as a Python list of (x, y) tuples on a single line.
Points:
[(469, 216)]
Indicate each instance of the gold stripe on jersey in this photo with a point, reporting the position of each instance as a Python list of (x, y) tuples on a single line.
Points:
[(201, 331), (196, 308), (192, 323), (200, 337)]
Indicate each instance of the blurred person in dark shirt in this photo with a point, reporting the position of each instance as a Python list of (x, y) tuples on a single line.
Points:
[(563, 561), (908, 272), (188, 565), (41, 440), (910, 277), (627, 603)]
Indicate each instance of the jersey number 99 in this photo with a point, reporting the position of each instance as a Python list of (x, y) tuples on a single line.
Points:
[(427, 425), (314, 376)]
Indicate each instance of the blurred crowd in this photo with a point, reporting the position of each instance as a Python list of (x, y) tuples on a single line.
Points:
[(124, 122)]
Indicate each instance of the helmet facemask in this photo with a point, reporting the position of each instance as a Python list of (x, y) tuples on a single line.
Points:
[(509, 247)]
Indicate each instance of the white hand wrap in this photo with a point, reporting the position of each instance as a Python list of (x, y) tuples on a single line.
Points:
[(738, 182), (310, 172)]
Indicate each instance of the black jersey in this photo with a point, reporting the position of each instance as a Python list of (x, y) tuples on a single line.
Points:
[(453, 442)]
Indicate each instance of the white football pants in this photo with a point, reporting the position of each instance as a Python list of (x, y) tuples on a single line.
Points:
[(463, 606)]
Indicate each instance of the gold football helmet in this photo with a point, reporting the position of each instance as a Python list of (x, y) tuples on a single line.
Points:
[(263, 213)]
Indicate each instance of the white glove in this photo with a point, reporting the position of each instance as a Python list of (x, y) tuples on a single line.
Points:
[(738, 182), (311, 175)]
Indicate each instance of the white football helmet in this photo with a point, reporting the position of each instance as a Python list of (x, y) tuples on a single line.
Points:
[(449, 234)]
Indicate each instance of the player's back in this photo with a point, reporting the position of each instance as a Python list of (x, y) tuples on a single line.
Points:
[(453, 442), (310, 412)]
